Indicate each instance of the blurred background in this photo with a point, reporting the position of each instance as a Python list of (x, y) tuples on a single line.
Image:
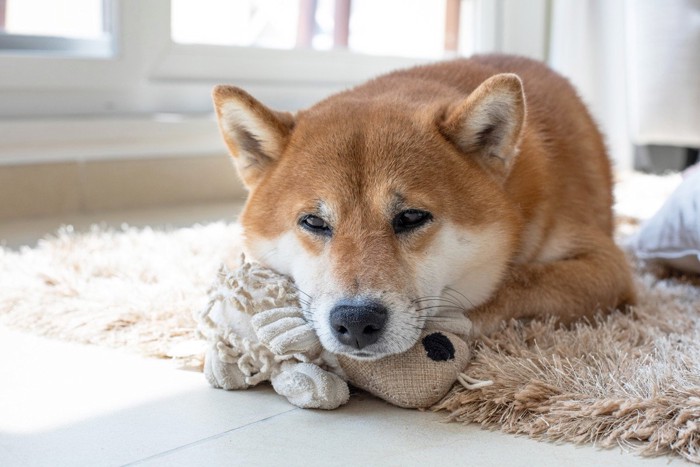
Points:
[(105, 114)]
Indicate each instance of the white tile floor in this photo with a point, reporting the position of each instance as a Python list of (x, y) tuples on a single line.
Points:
[(66, 404)]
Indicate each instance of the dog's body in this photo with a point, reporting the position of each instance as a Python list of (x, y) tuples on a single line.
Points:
[(427, 193)]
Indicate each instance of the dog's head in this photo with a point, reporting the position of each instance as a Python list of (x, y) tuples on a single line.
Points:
[(386, 212)]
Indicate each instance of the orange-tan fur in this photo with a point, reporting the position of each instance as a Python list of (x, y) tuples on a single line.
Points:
[(512, 169)]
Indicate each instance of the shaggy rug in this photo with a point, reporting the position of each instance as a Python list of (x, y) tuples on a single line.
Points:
[(630, 379)]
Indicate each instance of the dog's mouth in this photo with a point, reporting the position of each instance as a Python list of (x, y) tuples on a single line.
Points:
[(364, 355), (375, 351), (390, 343)]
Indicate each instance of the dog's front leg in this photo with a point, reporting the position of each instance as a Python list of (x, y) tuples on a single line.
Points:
[(449, 321), (593, 277)]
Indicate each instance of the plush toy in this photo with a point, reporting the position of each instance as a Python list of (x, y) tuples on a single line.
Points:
[(256, 331)]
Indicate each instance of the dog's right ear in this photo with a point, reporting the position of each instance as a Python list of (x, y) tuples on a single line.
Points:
[(254, 134)]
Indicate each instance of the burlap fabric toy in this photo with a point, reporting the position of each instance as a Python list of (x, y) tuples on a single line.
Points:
[(256, 330)]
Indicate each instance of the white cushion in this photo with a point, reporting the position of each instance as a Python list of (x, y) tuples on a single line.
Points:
[(672, 235)]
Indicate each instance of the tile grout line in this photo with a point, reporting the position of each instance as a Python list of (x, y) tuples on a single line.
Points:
[(204, 440)]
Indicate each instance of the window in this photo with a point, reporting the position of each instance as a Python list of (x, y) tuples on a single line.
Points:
[(67, 27), (404, 28), (244, 23)]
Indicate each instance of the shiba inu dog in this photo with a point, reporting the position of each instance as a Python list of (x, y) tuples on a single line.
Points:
[(478, 187)]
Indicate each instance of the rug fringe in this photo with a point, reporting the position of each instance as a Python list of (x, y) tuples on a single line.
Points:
[(472, 383)]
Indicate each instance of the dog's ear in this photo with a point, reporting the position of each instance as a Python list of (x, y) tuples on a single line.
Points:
[(489, 122), (254, 134)]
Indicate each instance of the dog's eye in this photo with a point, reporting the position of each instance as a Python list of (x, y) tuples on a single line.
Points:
[(315, 225), (410, 219)]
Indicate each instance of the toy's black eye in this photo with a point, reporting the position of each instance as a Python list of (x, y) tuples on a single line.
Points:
[(315, 224), (410, 219)]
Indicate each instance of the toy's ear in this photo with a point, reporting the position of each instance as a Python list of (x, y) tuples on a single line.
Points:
[(438, 347), (255, 135), (489, 122)]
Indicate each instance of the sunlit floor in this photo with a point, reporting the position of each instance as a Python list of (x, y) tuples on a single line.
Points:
[(68, 404)]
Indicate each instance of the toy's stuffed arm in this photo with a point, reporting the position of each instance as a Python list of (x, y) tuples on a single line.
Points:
[(301, 381), (286, 332), (309, 386)]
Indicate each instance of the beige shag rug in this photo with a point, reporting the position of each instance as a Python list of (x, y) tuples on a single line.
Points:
[(131, 288), (629, 379)]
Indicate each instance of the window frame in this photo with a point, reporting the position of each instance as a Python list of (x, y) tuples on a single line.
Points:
[(62, 46), (147, 63), (59, 46)]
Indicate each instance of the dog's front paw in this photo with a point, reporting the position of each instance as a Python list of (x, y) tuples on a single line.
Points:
[(285, 331), (310, 387), (454, 323)]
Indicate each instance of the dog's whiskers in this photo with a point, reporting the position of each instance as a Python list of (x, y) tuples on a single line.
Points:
[(441, 307), (433, 297), (295, 287), (451, 290), (265, 255), (446, 298)]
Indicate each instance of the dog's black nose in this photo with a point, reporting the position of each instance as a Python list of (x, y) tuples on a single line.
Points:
[(358, 325)]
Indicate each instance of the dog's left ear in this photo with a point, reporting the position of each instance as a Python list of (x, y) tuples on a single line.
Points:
[(489, 122)]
